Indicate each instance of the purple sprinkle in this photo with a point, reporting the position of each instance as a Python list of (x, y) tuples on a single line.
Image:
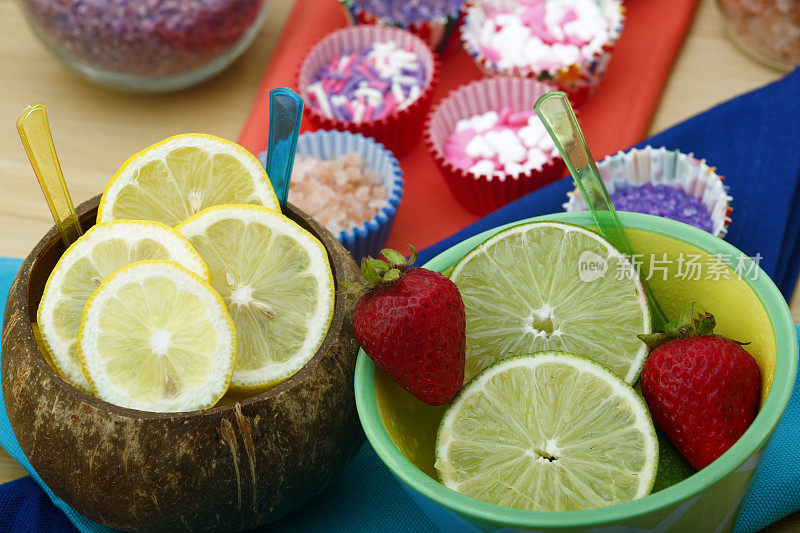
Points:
[(404, 12), (664, 201)]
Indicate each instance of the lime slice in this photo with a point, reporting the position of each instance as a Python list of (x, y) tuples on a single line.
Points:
[(548, 432), (552, 286), (156, 337), (85, 264), (276, 281), (180, 176)]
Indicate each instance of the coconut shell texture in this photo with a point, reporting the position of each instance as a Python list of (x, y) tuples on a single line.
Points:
[(234, 466)]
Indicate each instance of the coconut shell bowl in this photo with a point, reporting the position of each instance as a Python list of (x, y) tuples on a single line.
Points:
[(243, 463)]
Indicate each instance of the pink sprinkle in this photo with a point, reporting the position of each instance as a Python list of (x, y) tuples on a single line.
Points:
[(568, 17), (503, 115), (519, 118), (533, 17), (368, 111), (576, 41), (460, 139), (389, 105), (492, 54), (349, 106)]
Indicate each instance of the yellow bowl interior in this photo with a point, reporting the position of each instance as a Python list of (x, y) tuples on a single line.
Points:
[(412, 425)]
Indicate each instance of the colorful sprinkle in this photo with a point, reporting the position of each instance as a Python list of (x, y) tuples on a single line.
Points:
[(504, 143), (368, 85), (540, 34)]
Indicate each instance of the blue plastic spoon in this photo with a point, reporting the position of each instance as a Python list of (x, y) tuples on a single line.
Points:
[(285, 114), (559, 119)]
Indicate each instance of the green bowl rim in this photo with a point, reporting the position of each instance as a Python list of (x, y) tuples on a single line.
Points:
[(753, 439)]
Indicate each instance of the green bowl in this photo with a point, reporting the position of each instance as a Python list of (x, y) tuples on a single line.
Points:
[(748, 307)]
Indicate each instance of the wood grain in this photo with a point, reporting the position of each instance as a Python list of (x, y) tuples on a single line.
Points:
[(96, 129)]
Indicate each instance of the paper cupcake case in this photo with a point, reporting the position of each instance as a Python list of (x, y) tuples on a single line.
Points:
[(370, 236), (660, 166), (579, 80), (436, 32), (399, 132), (483, 194)]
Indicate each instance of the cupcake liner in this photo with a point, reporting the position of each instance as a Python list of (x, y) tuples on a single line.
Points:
[(370, 236), (399, 132), (579, 80), (484, 194), (436, 32), (660, 166)]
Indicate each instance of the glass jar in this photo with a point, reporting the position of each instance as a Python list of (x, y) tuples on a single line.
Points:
[(768, 30), (146, 45)]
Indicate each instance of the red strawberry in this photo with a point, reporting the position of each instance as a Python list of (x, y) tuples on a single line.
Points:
[(411, 323), (703, 389)]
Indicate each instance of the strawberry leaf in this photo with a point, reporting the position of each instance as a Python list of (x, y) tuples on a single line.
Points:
[(654, 340), (369, 272), (392, 275), (394, 257), (413, 256), (379, 265)]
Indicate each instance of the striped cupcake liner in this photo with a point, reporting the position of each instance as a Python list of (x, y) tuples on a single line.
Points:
[(579, 80), (437, 32), (660, 166), (399, 132), (370, 236), (483, 194)]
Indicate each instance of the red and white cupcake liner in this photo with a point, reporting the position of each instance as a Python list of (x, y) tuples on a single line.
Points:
[(579, 80), (436, 32), (484, 194), (659, 166), (399, 132)]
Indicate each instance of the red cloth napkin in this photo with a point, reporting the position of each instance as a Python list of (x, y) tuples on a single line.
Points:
[(616, 117)]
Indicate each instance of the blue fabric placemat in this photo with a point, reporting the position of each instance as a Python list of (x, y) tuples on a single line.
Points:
[(752, 139)]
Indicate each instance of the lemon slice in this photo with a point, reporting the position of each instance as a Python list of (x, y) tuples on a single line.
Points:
[(548, 432), (276, 281), (85, 264), (552, 286), (180, 176), (156, 337)]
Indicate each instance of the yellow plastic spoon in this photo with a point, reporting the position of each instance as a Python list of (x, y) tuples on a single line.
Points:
[(34, 130)]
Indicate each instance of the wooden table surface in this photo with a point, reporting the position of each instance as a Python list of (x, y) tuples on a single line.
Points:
[(96, 129)]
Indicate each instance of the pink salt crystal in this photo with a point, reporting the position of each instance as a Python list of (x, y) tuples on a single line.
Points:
[(341, 193)]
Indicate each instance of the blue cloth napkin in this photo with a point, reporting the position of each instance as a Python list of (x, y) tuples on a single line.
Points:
[(752, 140)]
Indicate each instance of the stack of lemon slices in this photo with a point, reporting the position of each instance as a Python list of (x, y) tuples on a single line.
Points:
[(191, 283)]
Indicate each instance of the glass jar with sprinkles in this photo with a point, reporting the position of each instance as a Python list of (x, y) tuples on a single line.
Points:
[(146, 45)]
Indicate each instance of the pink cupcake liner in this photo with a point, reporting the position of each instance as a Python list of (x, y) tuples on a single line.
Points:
[(484, 194), (436, 32), (399, 132), (579, 80)]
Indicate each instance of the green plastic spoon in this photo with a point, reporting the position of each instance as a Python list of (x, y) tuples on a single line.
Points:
[(559, 119)]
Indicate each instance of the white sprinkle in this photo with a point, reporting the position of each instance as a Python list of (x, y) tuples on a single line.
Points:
[(322, 99), (483, 167)]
